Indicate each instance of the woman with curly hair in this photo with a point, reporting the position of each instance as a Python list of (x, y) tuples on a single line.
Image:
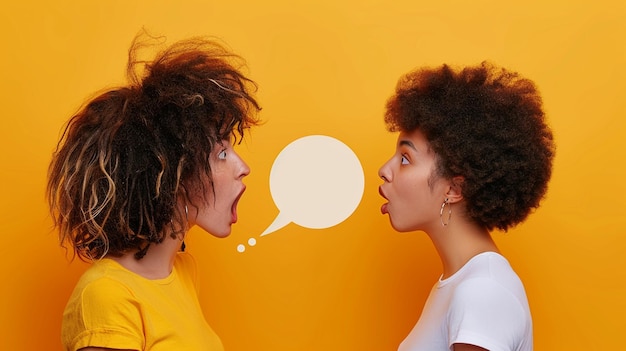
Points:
[(474, 154), (136, 168)]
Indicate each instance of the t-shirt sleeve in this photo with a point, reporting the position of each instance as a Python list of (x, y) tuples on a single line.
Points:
[(105, 314), (484, 313)]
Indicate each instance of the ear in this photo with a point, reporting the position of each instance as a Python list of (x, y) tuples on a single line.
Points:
[(455, 189)]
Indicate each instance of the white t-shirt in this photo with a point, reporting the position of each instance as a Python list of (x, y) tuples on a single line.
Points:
[(482, 304)]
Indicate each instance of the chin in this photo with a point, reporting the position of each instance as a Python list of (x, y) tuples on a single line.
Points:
[(399, 230), (217, 232), (220, 234), (395, 227), (398, 227)]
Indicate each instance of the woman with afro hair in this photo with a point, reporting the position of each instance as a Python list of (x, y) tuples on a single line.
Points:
[(136, 168), (474, 154)]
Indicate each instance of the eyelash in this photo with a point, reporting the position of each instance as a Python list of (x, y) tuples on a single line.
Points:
[(404, 160), (222, 155)]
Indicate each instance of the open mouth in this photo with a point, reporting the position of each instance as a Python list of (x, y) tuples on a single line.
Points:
[(233, 209), (380, 191), (383, 208)]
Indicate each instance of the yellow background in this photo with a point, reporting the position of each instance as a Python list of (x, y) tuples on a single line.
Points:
[(327, 67)]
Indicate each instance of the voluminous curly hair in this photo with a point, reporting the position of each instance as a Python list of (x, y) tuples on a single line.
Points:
[(487, 125), (130, 153)]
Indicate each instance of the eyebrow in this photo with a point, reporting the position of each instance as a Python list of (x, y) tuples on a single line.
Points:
[(407, 143)]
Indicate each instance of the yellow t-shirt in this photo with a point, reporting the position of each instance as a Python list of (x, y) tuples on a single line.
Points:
[(113, 307)]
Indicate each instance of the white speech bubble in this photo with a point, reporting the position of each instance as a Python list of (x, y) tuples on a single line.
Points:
[(316, 182)]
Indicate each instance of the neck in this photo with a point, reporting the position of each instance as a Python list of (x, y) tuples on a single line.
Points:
[(458, 242), (158, 261)]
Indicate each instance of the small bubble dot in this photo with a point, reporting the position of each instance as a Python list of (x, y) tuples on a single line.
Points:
[(241, 248), (252, 241)]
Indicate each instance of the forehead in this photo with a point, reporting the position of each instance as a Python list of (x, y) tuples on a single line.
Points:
[(415, 140)]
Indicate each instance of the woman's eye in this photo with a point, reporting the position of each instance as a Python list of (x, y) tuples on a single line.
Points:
[(404, 160), (222, 155)]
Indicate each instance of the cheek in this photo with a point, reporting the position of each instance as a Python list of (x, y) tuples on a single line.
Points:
[(408, 187), (414, 192), (220, 188)]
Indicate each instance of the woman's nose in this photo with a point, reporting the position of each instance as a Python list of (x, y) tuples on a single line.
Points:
[(245, 170), (384, 172)]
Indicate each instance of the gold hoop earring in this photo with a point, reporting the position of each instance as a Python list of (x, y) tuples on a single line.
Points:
[(443, 206)]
